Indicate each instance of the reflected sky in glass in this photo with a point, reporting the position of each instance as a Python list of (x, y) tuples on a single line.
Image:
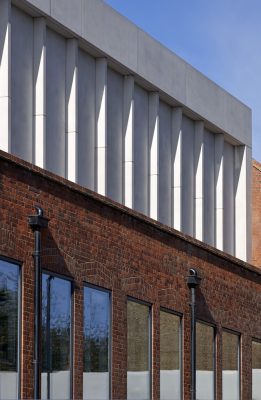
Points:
[(9, 279), (96, 330)]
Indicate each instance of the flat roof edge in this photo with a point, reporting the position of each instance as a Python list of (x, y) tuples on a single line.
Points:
[(7, 157), (101, 26)]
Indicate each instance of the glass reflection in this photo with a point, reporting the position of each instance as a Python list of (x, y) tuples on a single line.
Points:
[(9, 294), (230, 366), (56, 332), (204, 362), (138, 374), (256, 370), (169, 356), (96, 344)]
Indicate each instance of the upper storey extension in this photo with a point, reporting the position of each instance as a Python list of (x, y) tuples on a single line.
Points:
[(89, 96)]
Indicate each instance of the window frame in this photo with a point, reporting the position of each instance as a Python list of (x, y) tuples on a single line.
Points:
[(109, 292), (150, 325), (214, 355), (257, 340), (239, 336), (181, 344), (19, 264), (71, 280)]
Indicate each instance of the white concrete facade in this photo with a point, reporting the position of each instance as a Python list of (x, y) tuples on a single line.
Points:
[(89, 96)]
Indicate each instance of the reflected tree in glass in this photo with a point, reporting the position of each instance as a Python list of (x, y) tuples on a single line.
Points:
[(56, 337), (96, 383), (138, 332), (9, 295)]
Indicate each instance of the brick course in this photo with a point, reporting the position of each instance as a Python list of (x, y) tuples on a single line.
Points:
[(93, 239), (256, 213)]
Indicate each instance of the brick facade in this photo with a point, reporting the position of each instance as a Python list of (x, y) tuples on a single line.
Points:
[(256, 213), (92, 239)]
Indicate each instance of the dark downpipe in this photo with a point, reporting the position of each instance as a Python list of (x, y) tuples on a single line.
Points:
[(193, 281), (37, 223)]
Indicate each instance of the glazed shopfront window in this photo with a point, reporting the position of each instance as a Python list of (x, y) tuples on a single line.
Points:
[(205, 362), (96, 372), (56, 338), (170, 356), (230, 366), (9, 330), (256, 370), (139, 337)]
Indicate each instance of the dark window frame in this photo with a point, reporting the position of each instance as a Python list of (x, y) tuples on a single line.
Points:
[(150, 323), (212, 325), (257, 340), (71, 280), (109, 292), (181, 344), (239, 336), (19, 264)]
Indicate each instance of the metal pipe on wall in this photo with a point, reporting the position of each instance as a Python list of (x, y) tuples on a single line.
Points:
[(37, 223), (193, 281)]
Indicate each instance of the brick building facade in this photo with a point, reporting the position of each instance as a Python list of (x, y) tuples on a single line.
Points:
[(256, 213), (93, 240)]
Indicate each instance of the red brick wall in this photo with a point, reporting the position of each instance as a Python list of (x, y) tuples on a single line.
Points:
[(94, 240), (256, 214)]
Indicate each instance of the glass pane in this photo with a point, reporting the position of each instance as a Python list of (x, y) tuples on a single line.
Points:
[(96, 379), (9, 282), (56, 326), (204, 362), (169, 356), (230, 365), (138, 375), (256, 370)]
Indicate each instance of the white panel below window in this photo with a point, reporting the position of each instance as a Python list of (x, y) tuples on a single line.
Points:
[(96, 385), (8, 385), (138, 385), (230, 385), (169, 385), (205, 385), (59, 385), (256, 384)]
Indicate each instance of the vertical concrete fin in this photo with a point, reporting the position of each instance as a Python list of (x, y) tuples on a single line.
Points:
[(198, 179), (101, 125), (5, 75), (176, 168), (128, 136), (71, 94), (218, 187), (242, 192), (39, 136), (153, 154)]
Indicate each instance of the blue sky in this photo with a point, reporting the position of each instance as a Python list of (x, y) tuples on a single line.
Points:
[(221, 38)]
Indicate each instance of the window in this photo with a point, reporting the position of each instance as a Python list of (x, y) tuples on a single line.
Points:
[(256, 370), (96, 371), (56, 338), (170, 356), (230, 366), (205, 362), (9, 328), (138, 331)]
